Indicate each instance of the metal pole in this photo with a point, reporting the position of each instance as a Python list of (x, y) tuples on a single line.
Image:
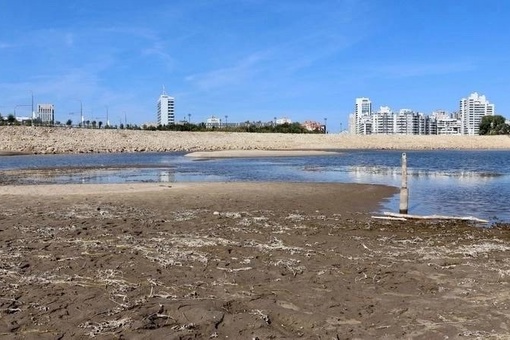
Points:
[(33, 113), (404, 191)]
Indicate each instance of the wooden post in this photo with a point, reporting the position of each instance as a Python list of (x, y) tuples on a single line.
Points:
[(404, 192)]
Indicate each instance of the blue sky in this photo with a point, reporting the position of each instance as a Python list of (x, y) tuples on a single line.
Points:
[(251, 59)]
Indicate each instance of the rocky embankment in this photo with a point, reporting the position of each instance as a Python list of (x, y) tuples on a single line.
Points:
[(41, 140)]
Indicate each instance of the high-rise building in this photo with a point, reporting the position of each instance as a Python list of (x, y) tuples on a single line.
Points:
[(166, 110), (472, 110), (360, 121), (45, 113), (408, 122), (383, 121)]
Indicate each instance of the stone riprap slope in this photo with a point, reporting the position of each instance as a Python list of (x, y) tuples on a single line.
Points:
[(74, 140)]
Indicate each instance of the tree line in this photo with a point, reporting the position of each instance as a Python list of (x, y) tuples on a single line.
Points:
[(257, 127)]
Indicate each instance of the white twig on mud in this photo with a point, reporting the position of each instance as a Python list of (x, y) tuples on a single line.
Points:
[(231, 270), (263, 316), (104, 327), (436, 217)]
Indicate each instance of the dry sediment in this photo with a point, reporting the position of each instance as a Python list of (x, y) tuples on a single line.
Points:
[(72, 140), (243, 261)]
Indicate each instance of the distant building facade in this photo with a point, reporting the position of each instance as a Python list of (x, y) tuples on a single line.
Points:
[(166, 109), (472, 109), (383, 121), (362, 116), (408, 122), (213, 122), (310, 125), (45, 113), (283, 120)]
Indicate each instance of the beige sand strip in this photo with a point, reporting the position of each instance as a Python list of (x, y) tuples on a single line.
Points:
[(258, 153)]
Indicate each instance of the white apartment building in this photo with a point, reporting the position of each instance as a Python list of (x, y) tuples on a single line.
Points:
[(166, 109), (45, 113), (445, 123), (472, 110), (213, 122), (362, 117), (283, 120), (383, 121), (409, 122)]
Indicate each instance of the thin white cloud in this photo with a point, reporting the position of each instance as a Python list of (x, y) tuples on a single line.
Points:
[(228, 76), (419, 69)]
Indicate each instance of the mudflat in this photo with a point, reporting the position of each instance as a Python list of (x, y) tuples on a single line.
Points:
[(241, 261)]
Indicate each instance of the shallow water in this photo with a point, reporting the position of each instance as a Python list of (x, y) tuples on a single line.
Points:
[(466, 183)]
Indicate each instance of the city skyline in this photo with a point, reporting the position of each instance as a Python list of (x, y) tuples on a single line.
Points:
[(465, 121), (251, 60)]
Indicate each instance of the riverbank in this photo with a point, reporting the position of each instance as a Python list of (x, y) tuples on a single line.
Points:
[(243, 261), (42, 140)]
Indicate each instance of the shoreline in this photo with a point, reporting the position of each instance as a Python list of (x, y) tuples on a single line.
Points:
[(378, 193), (44, 140)]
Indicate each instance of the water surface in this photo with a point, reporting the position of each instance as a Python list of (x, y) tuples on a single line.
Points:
[(466, 183)]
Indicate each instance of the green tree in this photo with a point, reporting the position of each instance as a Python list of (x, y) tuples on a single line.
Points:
[(69, 122), (493, 125), (11, 119)]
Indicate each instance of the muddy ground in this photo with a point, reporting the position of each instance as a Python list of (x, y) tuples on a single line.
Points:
[(242, 261)]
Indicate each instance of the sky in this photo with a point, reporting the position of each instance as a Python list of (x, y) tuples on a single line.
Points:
[(251, 59)]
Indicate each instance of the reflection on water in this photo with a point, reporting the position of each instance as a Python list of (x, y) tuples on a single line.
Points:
[(440, 182), (397, 172)]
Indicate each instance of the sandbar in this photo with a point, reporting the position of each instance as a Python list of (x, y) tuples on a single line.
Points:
[(259, 153)]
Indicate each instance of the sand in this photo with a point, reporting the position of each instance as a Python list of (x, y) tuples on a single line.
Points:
[(258, 153), (241, 261), (20, 139)]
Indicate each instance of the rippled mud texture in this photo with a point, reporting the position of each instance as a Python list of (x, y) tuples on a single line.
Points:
[(247, 261)]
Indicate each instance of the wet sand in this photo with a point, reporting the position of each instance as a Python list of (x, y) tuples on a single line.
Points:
[(243, 261)]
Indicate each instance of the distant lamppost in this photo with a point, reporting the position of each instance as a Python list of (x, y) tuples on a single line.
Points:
[(189, 118), (19, 106), (33, 113), (325, 125), (226, 120), (341, 129), (274, 121), (15, 107), (81, 112)]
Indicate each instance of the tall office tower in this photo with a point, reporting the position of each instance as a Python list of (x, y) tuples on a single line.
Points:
[(166, 111), (472, 109), (46, 113), (362, 112)]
